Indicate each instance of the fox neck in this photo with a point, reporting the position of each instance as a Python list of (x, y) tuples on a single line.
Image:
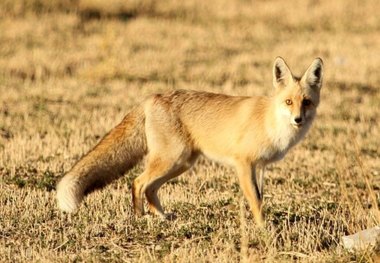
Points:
[(282, 134)]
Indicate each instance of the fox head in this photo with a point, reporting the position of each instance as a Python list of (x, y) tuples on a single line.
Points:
[(297, 98)]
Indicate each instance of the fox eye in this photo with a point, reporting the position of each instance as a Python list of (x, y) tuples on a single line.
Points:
[(306, 102), (289, 102)]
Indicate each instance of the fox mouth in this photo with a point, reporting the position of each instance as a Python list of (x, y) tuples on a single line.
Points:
[(297, 125)]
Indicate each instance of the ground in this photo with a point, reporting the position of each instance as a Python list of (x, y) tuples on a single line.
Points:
[(71, 69)]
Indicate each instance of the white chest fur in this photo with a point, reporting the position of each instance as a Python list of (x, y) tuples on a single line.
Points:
[(282, 138)]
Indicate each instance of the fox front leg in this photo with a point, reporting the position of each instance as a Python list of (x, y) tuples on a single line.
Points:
[(250, 190), (258, 176)]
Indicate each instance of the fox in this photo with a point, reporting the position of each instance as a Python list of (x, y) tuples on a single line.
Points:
[(170, 130)]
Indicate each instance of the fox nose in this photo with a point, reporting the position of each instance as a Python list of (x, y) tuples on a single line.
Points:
[(298, 120)]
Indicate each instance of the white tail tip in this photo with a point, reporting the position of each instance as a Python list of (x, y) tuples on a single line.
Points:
[(69, 195)]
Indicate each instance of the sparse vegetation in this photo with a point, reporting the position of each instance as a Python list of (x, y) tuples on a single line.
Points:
[(71, 69)]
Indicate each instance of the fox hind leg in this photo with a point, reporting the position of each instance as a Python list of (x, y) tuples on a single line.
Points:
[(151, 191), (158, 171), (169, 153)]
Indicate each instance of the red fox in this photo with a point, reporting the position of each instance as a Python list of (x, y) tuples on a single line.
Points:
[(172, 129)]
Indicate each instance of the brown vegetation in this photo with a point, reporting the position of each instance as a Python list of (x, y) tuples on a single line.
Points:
[(71, 69)]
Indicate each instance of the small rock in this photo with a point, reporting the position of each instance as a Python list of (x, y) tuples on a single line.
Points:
[(362, 240), (158, 248)]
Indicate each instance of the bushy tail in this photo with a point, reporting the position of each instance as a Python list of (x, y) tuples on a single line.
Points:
[(122, 148)]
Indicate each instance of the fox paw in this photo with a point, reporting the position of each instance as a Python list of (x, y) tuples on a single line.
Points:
[(168, 216)]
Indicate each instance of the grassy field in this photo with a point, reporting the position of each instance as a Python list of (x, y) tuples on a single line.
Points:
[(71, 69)]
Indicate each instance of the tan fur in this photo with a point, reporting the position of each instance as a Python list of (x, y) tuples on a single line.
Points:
[(174, 128)]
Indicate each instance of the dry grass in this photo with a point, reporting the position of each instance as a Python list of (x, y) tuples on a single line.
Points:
[(67, 75)]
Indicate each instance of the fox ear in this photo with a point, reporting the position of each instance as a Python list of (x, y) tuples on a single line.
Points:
[(281, 73), (314, 74)]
